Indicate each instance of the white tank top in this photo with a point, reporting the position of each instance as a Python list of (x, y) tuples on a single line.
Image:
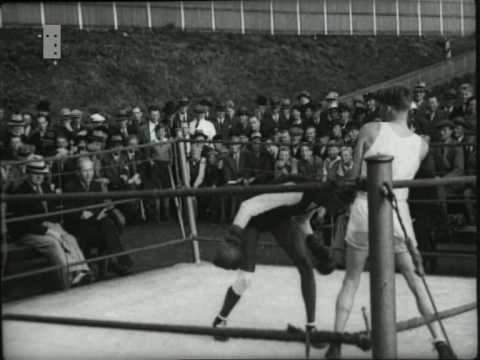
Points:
[(405, 152)]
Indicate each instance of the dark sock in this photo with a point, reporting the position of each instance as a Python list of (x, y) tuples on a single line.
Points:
[(231, 299)]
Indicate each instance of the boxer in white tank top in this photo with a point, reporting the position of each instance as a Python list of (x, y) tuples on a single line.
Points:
[(392, 137)]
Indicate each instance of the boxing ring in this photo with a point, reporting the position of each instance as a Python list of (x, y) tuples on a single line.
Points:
[(167, 313)]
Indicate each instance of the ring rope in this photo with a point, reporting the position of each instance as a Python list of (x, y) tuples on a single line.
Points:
[(256, 189), (358, 339), (94, 259)]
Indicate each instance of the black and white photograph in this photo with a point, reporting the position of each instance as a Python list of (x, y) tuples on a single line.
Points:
[(238, 179)]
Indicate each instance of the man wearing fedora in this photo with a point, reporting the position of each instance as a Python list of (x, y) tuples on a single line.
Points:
[(43, 137), (46, 235)]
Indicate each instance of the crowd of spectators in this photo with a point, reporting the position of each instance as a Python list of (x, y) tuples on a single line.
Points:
[(232, 145)]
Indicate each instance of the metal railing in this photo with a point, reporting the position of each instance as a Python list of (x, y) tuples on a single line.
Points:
[(433, 75)]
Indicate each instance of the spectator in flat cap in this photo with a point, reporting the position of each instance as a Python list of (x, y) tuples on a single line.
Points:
[(208, 104), (47, 236), (113, 164), (262, 164), (309, 164), (449, 160), (200, 122), (221, 122), (95, 120), (272, 122)]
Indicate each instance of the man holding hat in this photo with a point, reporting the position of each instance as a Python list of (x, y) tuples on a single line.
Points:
[(47, 235), (122, 127), (200, 123)]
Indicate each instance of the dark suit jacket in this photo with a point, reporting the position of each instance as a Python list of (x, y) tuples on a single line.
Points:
[(223, 129), (449, 161), (72, 220), (244, 170), (269, 127), (35, 226), (113, 169)]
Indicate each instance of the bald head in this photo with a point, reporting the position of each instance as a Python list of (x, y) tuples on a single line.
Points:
[(85, 169)]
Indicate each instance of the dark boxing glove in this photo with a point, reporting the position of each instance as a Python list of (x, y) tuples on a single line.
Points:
[(229, 253), (322, 259)]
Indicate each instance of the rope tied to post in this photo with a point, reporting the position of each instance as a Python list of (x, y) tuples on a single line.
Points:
[(387, 191)]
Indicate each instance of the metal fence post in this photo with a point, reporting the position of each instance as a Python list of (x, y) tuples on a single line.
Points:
[(42, 13), (374, 15), (419, 17), (189, 200), (80, 15), (182, 16), (325, 17), (242, 18), (149, 14), (382, 273), (115, 17)]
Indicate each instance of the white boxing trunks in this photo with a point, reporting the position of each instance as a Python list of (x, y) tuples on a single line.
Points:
[(357, 228)]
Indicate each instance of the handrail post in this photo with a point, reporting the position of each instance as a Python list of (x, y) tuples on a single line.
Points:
[(382, 273), (189, 200)]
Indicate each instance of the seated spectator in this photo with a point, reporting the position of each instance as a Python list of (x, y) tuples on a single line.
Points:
[(197, 161), (59, 171), (77, 122), (96, 228), (283, 137), (285, 163), (95, 144), (28, 120), (47, 236), (244, 139), (309, 165), (169, 112), (272, 150), (271, 122), (315, 121), (122, 126), (136, 120), (96, 120), (330, 162), (425, 123), (230, 111), (345, 116), (182, 115), (465, 92)]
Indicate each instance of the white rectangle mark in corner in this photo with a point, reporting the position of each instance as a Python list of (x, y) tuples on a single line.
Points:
[(52, 42)]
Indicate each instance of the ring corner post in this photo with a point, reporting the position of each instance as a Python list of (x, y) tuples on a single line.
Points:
[(382, 259), (189, 200)]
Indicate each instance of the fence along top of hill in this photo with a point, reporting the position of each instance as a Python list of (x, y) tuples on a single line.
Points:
[(433, 75), (300, 17)]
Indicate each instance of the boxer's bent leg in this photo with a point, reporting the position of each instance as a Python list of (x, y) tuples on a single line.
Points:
[(291, 238), (263, 203), (249, 247)]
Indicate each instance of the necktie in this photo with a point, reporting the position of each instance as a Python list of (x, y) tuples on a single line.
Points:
[(44, 203), (237, 161)]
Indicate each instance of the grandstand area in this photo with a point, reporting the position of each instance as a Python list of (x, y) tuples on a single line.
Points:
[(171, 96)]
